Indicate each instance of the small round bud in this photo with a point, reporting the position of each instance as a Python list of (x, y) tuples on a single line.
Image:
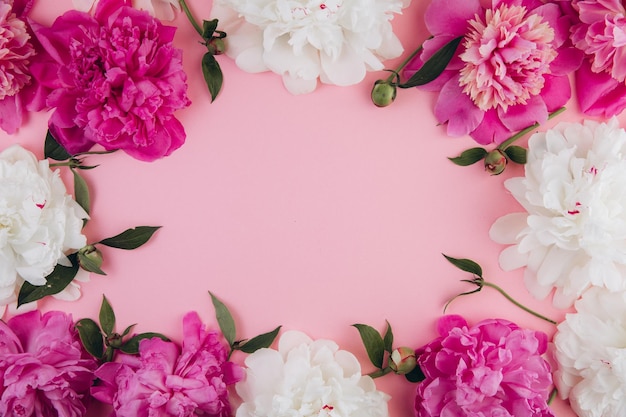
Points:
[(216, 46), (383, 93), (115, 341), (495, 162), (93, 255), (402, 360)]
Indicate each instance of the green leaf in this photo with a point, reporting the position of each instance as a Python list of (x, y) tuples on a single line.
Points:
[(435, 65), (224, 320), (388, 339), (212, 74), (131, 346), (89, 264), (261, 341), (469, 156), (107, 317), (131, 238), (416, 375), (56, 282), (128, 329), (90, 337), (208, 28), (53, 149), (466, 265), (373, 343), (81, 192), (516, 154)]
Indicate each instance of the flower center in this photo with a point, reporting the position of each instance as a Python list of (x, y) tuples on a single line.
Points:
[(506, 56)]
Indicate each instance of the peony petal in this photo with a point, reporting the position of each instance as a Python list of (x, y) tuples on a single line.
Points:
[(556, 92), (450, 17), (506, 229), (521, 116), (457, 110), (511, 258), (598, 93)]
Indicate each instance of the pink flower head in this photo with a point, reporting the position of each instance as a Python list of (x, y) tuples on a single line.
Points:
[(44, 370), (600, 32), (166, 381), (494, 368), (510, 70), (115, 80)]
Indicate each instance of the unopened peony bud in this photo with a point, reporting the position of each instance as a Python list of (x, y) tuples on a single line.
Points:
[(495, 162), (402, 360), (93, 255), (216, 46), (383, 93)]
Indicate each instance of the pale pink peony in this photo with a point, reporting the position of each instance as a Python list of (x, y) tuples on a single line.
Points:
[(166, 381), (494, 368), (510, 70), (115, 80), (44, 371)]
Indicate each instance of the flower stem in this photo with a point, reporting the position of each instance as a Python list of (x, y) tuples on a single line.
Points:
[(521, 133), (403, 63), (511, 299), (552, 396), (380, 372), (192, 20)]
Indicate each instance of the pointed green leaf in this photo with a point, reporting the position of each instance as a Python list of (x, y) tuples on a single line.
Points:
[(516, 154), (212, 74), (91, 337), (89, 264), (466, 265), (434, 66), (53, 149), (81, 192), (131, 238), (224, 320), (373, 343), (261, 341), (388, 339), (107, 317), (208, 27), (469, 156), (131, 346), (416, 375), (56, 282)]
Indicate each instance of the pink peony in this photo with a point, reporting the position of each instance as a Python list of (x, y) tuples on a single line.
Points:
[(44, 370), (510, 70), (164, 381), (600, 32), (492, 369), (115, 79)]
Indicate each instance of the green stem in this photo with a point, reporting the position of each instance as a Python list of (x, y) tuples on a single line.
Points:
[(403, 63), (95, 153), (521, 133), (193, 22), (70, 164), (380, 372), (511, 299), (552, 396)]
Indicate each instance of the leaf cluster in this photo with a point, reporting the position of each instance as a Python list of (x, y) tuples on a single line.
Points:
[(213, 39)]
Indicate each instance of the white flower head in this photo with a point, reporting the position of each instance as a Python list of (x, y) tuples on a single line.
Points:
[(161, 9), (590, 348), (573, 234), (336, 41), (306, 378), (39, 222)]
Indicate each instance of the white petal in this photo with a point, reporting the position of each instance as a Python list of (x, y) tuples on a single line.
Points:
[(506, 229)]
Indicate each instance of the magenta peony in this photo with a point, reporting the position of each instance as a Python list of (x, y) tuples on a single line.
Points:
[(44, 371), (166, 381), (510, 70), (115, 79), (492, 369)]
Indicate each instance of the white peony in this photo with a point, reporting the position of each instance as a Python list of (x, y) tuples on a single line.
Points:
[(336, 41), (573, 233), (161, 9), (39, 223), (590, 348), (306, 378)]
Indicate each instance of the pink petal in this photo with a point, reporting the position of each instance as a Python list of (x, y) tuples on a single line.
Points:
[(491, 130), (598, 93), (10, 114), (523, 115), (457, 109), (446, 323), (449, 17), (568, 60), (556, 92)]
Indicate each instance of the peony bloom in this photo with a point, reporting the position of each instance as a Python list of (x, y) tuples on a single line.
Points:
[(307, 378), (572, 234), (336, 41), (161, 9), (39, 222), (115, 80), (590, 348), (494, 368), (510, 70), (44, 371), (165, 381), (600, 32)]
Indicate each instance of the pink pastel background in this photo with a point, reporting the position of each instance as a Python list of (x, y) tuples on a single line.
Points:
[(313, 212)]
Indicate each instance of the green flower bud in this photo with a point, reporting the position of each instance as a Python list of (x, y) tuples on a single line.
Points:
[(402, 360), (90, 256), (115, 341), (495, 162), (383, 93), (216, 46)]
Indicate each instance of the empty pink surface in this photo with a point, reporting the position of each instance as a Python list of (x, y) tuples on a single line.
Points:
[(313, 212)]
